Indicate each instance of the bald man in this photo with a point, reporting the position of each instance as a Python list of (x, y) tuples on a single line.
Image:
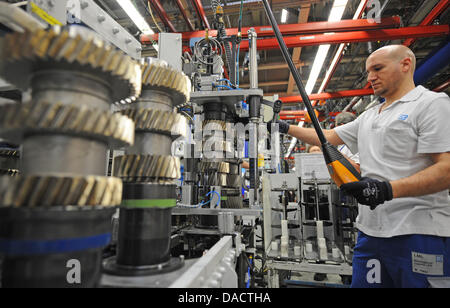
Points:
[(404, 147)]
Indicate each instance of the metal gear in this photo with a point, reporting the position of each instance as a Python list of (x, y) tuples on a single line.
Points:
[(70, 46), (18, 119), (58, 190), (9, 153), (219, 167), (158, 75), (147, 168), (159, 121)]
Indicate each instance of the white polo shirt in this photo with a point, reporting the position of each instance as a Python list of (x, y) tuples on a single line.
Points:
[(393, 145), (346, 151)]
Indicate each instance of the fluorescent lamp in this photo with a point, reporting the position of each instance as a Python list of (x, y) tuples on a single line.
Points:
[(136, 17), (335, 15), (284, 14), (338, 54)]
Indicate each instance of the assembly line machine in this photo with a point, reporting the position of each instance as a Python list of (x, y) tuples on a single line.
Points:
[(91, 99)]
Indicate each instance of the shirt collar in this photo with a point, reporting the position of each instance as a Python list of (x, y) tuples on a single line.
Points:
[(413, 94)]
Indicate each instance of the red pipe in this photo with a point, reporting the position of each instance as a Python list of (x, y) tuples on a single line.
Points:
[(442, 87), (186, 18), (201, 12), (163, 15), (353, 37), (305, 28), (324, 96)]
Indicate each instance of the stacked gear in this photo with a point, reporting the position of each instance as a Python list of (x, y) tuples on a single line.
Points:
[(56, 215), (219, 169), (150, 173)]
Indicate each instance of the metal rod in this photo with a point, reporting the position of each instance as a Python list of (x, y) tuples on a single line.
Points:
[(295, 73), (253, 59)]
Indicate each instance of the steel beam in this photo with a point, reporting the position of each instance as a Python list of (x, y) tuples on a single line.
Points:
[(325, 96), (435, 12), (201, 12), (183, 12), (353, 37), (163, 15), (301, 28)]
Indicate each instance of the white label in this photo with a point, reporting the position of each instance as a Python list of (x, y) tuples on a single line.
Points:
[(427, 264)]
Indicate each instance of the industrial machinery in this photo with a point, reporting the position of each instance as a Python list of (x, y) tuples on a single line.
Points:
[(128, 171), (59, 208)]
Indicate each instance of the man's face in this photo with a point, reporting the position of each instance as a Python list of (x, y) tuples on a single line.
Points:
[(383, 73)]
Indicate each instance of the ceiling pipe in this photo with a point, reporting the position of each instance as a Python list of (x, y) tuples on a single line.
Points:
[(162, 14), (430, 66), (183, 12)]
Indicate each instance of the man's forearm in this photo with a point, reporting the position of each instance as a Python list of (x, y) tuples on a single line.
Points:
[(428, 181), (309, 135)]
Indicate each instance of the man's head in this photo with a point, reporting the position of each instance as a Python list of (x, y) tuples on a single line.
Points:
[(344, 118), (389, 68)]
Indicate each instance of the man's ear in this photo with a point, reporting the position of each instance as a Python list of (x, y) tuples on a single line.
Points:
[(406, 64)]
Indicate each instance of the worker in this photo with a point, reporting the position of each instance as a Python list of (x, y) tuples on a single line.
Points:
[(404, 148), (310, 149)]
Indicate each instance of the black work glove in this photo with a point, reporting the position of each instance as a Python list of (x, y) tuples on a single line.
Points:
[(369, 191), (283, 127)]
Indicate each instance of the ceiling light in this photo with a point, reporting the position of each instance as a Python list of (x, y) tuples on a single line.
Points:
[(335, 15), (284, 14), (136, 17)]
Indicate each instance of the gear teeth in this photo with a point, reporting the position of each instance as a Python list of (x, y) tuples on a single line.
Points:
[(9, 153), (160, 121), (147, 168), (158, 74), (67, 45), (43, 116), (9, 172), (219, 167), (214, 125), (48, 191)]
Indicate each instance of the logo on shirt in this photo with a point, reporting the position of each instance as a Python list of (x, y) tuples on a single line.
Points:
[(403, 117)]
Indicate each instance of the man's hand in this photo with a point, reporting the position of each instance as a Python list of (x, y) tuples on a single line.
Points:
[(369, 191), (283, 127)]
